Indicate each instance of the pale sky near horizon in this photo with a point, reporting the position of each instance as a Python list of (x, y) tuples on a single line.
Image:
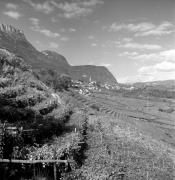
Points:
[(134, 39)]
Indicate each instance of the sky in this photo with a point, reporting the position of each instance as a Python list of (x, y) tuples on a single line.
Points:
[(134, 39)]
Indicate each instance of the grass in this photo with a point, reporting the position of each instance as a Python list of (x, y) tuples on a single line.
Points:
[(116, 155)]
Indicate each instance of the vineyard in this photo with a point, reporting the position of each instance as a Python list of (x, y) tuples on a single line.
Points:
[(144, 115), (118, 149)]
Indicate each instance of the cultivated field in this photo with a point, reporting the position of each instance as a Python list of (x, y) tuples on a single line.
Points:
[(127, 139), (149, 116)]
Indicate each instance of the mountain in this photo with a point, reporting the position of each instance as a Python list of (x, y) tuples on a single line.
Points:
[(97, 73), (156, 89), (160, 85), (15, 41)]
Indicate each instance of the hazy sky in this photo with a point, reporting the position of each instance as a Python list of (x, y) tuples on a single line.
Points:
[(133, 38)]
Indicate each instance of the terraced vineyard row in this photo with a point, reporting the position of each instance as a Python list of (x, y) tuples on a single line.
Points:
[(159, 128), (111, 109), (124, 111)]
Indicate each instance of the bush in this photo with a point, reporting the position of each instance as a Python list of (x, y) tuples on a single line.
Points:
[(95, 107), (62, 82), (166, 110), (12, 92), (4, 82)]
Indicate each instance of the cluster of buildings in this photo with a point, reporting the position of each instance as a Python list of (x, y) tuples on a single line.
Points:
[(86, 87)]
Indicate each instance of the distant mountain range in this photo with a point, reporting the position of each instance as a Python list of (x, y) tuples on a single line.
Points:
[(15, 41), (161, 85), (159, 89)]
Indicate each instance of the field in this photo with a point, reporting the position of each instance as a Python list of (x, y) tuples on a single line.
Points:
[(149, 116), (127, 139)]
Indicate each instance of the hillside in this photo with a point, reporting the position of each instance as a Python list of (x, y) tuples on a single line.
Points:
[(97, 73), (15, 41)]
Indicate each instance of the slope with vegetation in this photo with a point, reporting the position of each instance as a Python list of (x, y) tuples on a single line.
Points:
[(26, 101), (38, 115)]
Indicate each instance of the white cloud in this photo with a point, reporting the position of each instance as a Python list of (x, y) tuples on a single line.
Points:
[(45, 7), (163, 70), (76, 8), (164, 66), (160, 71), (150, 73), (91, 37), (65, 39), (93, 44), (129, 54), (53, 45), (11, 6), (127, 39), (71, 10), (92, 2), (13, 14), (132, 27), (147, 70), (168, 55), (144, 29), (36, 27), (105, 64), (67, 9), (72, 30), (164, 28), (47, 32), (34, 21), (132, 45)]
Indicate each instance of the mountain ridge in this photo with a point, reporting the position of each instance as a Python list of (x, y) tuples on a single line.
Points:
[(15, 41)]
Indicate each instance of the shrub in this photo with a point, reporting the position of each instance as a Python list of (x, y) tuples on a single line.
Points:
[(95, 107), (4, 82), (62, 82), (12, 92), (166, 110), (46, 106)]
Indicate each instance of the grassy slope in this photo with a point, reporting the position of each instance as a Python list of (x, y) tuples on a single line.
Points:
[(118, 152)]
